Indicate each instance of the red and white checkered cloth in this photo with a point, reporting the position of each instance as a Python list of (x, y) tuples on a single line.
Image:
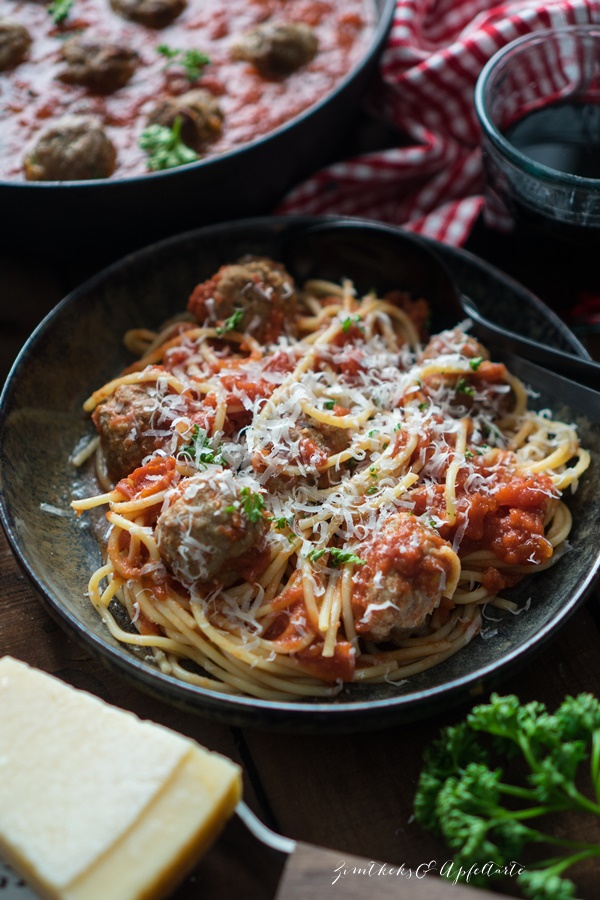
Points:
[(432, 183)]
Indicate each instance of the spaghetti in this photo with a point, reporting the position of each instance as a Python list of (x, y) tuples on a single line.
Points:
[(302, 492)]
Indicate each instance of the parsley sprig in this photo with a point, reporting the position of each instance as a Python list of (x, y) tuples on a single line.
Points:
[(337, 556), (463, 387), (231, 324), (165, 148), (60, 9), (463, 795), (349, 321), (199, 449), (193, 61), (252, 505)]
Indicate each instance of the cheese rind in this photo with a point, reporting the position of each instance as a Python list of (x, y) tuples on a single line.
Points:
[(93, 801)]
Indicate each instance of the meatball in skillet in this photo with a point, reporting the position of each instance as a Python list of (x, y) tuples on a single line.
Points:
[(259, 290), (213, 530), (454, 341), (101, 66), (277, 48), (151, 13), (74, 148), (407, 570), (201, 117), (15, 41), (122, 421)]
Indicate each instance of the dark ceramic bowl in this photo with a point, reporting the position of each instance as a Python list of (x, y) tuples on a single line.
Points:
[(79, 347), (248, 181)]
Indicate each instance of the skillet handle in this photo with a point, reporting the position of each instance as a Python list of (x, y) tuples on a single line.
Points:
[(584, 371), (319, 874)]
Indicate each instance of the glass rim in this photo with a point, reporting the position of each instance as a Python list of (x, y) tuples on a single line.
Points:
[(555, 176)]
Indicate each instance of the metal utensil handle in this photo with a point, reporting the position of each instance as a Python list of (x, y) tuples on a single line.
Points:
[(585, 371), (262, 833)]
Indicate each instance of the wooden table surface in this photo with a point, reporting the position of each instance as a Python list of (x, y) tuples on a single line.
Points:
[(352, 793)]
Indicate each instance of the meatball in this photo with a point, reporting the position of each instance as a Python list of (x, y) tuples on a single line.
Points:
[(122, 422), (152, 13), (260, 290), (408, 569), (454, 342), (277, 48), (201, 117), (74, 148), (99, 65), (213, 530), (15, 41)]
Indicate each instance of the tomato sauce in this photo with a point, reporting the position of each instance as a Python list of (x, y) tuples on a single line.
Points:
[(31, 95), (507, 518)]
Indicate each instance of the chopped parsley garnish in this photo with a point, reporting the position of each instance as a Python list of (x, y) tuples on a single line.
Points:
[(374, 432), (281, 522), (60, 9), (329, 404), (193, 61), (475, 362), (371, 490), (165, 147), (398, 427), (338, 556), (423, 406), (253, 504), (315, 555), (373, 472), (469, 454), (199, 449), (349, 321), (231, 323), (463, 387)]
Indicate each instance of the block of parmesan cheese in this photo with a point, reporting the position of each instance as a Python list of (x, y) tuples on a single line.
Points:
[(96, 803)]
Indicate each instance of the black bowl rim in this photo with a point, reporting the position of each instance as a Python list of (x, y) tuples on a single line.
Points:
[(380, 32), (250, 711)]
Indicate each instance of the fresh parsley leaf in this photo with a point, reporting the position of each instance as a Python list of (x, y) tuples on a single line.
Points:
[(60, 9), (315, 555), (193, 61), (168, 52), (199, 450), (281, 522), (463, 387), (464, 796), (165, 147), (339, 557), (469, 454), (475, 362), (329, 404), (253, 504), (231, 323), (349, 321)]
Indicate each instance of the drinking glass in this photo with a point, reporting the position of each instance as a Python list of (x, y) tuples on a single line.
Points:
[(538, 104)]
